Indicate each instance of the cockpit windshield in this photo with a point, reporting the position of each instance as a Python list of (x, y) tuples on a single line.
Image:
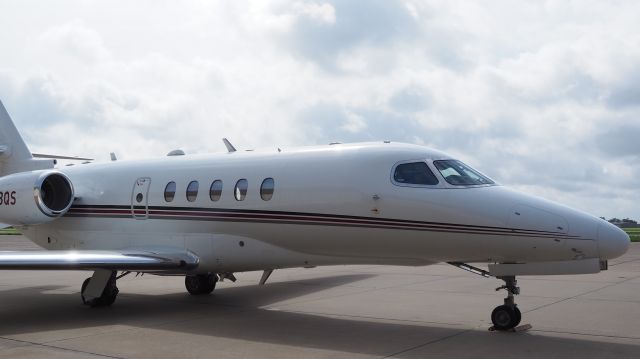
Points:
[(459, 174), (414, 173)]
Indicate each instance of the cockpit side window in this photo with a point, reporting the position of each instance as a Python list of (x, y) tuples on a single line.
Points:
[(414, 173), (459, 174)]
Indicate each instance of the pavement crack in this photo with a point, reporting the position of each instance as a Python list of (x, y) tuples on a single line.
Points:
[(44, 345), (623, 262), (579, 295), (353, 316), (427, 343), (583, 334)]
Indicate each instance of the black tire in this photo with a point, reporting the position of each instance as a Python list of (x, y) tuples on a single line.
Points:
[(200, 284), (108, 297), (505, 317), (518, 316), (84, 286), (109, 294), (209, 283), (192, 284)]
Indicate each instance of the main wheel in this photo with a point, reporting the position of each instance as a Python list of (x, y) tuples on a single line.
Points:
[(200, 284), (505, 317), (84, 286), (107, 298), (109, 294)]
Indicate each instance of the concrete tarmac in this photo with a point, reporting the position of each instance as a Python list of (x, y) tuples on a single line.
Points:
[(331, 312)]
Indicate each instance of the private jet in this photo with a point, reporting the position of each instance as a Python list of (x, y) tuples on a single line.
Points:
[(206, 217)]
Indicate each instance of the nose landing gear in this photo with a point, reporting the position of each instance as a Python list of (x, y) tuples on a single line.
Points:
[(507, 316)]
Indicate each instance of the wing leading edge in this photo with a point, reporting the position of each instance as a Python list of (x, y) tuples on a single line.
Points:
[(126, 260)]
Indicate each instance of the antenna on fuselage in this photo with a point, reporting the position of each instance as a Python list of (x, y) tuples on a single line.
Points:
[(229, 146), (177, 152)]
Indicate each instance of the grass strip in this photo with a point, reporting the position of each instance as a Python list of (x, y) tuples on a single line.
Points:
[(9, 232), (634, 234)]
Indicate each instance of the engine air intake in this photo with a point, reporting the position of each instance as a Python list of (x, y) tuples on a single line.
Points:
[(35, 197), (53, 194)]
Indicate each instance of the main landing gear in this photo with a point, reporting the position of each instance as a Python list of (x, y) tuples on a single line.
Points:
[(100, 290), (200, 284), (507, 316)]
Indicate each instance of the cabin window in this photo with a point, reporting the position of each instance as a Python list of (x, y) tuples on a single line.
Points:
[(414, 173), (215, 192), (459, 174), (266, 189), (170, 191), (240, 192), (192, 191)]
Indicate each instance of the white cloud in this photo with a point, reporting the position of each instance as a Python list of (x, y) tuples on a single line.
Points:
[(544, 96), (77, 41), (324, 13)]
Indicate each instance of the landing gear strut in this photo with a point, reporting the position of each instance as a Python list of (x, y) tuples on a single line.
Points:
[(109, 292), (200, 284), (507, 316)]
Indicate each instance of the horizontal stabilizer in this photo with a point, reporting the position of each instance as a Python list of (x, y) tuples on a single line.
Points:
[(57, 157), (134, 260)]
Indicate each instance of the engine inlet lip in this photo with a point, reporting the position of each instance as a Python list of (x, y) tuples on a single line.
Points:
[(37, 194)]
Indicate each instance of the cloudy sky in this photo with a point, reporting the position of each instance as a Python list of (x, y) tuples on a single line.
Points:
[(543, 96)]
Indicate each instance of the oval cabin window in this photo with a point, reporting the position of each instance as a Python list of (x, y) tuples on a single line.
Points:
[(240, 191), (192, 191), (266, 189), (170, 191), (215, 192)]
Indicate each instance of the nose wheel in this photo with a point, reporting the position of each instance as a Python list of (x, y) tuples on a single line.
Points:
[(507, 316)]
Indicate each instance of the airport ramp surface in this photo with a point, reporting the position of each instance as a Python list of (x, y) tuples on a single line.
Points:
[(331, 312)]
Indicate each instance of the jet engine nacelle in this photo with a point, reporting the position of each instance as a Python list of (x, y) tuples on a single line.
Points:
[(34, 197)]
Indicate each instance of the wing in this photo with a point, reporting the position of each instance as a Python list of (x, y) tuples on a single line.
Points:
[(126, 260)]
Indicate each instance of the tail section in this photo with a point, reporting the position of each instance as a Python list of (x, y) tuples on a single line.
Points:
[(14, 153)]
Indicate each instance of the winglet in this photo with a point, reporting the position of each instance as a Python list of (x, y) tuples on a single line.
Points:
[(229, 146)]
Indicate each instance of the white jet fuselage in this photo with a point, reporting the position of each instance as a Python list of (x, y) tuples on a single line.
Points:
[(334, 204)]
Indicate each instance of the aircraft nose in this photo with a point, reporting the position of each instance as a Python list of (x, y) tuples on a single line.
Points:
[(612, 241)]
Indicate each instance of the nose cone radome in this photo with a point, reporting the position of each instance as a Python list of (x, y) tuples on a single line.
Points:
[(612, 241)]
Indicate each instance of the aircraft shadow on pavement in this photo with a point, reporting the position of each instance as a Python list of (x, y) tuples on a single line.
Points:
[(237, 313)]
